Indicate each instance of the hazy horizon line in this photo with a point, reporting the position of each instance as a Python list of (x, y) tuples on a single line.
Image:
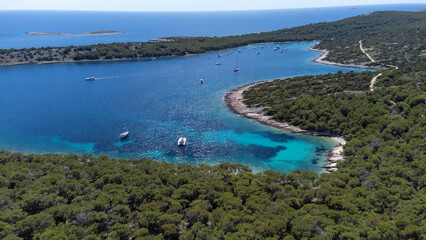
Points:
[(231, 10)]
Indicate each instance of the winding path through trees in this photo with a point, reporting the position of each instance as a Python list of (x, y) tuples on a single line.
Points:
[(373, 80), (362, 49)]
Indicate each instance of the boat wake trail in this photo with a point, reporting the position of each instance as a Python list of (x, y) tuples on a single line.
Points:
[(113, 77)]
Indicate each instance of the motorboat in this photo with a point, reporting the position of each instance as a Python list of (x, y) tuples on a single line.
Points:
[(181, 141), (201, 81), (236, 69), (124, 135), (90, 79), (218, 63)]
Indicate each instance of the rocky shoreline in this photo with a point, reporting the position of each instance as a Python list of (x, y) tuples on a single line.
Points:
[(234, 101)]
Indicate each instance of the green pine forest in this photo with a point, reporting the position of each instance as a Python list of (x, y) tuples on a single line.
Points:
[(377, 193), (385, 32)]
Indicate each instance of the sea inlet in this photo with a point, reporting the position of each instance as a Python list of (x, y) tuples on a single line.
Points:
[(51, 108)]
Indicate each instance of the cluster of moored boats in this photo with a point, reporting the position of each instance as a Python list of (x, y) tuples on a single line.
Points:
[(236, 69), (182, 140)]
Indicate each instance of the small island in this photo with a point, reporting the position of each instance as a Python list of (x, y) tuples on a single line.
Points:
[(377, 192), (340, 41), (70, 34)]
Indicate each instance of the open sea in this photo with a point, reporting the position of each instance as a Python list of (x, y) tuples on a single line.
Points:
[(50, 108)]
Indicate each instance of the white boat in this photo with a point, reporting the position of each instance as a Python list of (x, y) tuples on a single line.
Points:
[(90, 79), (236, 69), (181, 141), (201, 81), (218, 63), (124, 135)]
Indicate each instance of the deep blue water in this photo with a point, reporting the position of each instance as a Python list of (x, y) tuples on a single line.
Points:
[(50, 108), (141, 26)]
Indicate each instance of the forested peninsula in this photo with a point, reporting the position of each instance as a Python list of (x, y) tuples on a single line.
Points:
[(382, 31), (378, 192)]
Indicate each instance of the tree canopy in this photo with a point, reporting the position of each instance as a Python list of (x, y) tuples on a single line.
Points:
[(383, 33)]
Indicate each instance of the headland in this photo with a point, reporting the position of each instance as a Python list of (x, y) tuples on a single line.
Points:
[(235, 102)]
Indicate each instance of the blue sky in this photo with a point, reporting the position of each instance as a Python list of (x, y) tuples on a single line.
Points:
[(183, 5)]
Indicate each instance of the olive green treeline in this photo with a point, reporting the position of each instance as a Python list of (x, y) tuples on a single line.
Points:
[(381, 31), (384, 175), (377, 193)]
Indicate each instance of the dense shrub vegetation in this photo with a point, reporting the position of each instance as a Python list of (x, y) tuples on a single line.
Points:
[(382, 33), (377, 193), (386, 130), (81, 197)]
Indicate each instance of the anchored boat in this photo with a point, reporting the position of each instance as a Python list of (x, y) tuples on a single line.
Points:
[(124, 135), (181, 141)]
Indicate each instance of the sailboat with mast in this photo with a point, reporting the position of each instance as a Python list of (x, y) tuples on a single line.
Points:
[(236, 69)]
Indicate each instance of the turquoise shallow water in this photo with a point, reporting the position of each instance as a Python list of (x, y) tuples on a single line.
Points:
[(50, 108)]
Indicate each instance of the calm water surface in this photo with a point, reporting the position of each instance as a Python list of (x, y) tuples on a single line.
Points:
[(141, 26), (50, 108)]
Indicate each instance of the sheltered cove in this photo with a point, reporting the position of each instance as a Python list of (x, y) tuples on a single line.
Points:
[(234, 101)]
